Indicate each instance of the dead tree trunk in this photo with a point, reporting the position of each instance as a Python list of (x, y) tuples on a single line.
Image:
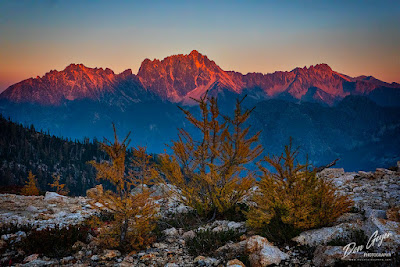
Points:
[(320, 169)]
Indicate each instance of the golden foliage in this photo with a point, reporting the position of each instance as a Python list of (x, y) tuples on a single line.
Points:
[(30, 188), (143, 171), (60, 188), (295, 195), (207, 172), (134, 213)]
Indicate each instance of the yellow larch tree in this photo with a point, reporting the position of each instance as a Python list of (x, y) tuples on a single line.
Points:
[(294, 195), (210, 174), (30, 188), (143, 172), (134, 213), (60, 188)]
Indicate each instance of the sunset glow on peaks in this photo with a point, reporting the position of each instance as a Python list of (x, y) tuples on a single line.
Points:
[(356, 38)]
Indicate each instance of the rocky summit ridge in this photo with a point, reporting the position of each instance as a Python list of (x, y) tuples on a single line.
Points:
[(76, 82), (179, 78), (376, 213)]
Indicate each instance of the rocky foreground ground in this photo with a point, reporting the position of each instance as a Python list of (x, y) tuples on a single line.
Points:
[(376, 214)]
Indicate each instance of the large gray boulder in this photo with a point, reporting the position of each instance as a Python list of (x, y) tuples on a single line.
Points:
[(384, 235), (329, 255), (54, 197), (263, 253), (322, 236)]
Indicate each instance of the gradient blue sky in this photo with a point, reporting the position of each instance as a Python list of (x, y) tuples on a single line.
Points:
[(353, 37)]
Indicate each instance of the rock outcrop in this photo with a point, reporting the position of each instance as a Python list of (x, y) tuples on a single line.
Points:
[(263, 253), (374, 220), (43, 211)]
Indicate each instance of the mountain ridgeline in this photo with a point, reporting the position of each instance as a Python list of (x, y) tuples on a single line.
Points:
[(329, 114), (178, 78)]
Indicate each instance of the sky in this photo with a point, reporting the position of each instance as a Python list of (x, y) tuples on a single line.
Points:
[(353, 37)]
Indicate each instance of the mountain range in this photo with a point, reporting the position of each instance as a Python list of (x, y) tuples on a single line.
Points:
[(328, 113), (180, 77)]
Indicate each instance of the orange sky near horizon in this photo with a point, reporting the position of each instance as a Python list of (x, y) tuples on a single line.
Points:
[(356, 38)]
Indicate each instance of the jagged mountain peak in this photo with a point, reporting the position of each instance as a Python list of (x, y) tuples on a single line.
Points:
[(75, 82), (74, 66), (321, 76), (322, 67), (194, 57), (180, 77), (81, 68), (194, 53), (126, 73)]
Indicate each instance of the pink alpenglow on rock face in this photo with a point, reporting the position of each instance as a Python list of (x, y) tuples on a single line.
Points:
[(75, 82), (179, 78)]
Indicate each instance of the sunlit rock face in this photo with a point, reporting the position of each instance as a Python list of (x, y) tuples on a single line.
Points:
[(179, 78), (75, 82)]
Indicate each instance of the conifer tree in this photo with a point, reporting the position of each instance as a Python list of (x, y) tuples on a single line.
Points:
[(143, 171), (210, 174), (134, 214), (293, 195), (60, 188), (30, 188)]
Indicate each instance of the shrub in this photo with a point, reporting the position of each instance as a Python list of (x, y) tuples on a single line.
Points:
[(276, 231), (11, 228), (206, 242), (192, 220), (186, 220), (236, 213), (293, 198), (53, 242), (134, 213), (209, 173), (30, 188)]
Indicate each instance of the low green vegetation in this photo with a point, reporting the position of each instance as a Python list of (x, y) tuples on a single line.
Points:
[(207, 241), (186, 220), (53, 242)]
